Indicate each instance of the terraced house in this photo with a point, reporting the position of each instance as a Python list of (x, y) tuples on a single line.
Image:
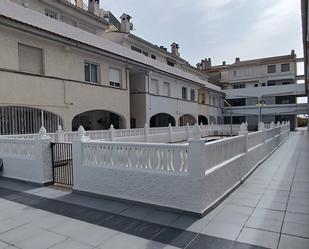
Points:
[(65, 63)]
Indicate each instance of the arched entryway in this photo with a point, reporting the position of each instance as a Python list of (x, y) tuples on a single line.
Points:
[(162, 120), (202, 120), (97, 120), (187, 119), (27, 120), (212, 120)]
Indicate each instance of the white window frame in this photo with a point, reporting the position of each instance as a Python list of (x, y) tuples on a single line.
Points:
[(98, 72), (112, 83)]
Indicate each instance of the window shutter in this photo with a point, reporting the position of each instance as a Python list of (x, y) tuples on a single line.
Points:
[(30, 59)]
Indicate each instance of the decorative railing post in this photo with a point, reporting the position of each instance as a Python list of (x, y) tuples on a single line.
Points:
[(170, 133), (146, 132), (43, 157), (59, 135), (112, 133), (196, 151), (188, 131), (244, 131), (77, 150)]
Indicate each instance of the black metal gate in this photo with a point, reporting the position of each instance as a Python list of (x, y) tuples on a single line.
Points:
[(62, 163)]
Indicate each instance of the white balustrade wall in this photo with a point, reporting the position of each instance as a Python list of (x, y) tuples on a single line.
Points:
[(190, 177), (27, 159), (157, 135)]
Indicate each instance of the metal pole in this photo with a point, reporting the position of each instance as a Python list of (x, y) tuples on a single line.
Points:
[(231, 119)]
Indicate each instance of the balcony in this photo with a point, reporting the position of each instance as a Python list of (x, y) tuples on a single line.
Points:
[(282, 109), (292, 89)]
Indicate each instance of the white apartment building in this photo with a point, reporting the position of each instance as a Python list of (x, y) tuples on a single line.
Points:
[(62, 63), (263, 89)]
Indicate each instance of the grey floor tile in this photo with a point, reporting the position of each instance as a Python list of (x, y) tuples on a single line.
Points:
[(259, 238), (3, 245), (175, 237), (94, 235), (291, 242), (209, 242), (267, 214), (238, 245), (296, 229), (156, 245), (18, 234), (244, 202), (162, 217), (297, 218), (264, 224), (122, 240), (231, 218), (41, 240), (298, 208), (191, 223), (273, 205), (70, 244), (222, 230), (138, 212)]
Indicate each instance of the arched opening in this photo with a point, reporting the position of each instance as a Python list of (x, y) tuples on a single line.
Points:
[(187, 119), (219, 120), (212, 120), (202, 120), (97, 120), (27, 120), (162, 120)]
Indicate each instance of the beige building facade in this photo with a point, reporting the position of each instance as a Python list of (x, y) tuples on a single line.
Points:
[(63, 65)]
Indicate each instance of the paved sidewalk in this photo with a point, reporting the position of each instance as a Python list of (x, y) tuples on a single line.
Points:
[(270, 210)]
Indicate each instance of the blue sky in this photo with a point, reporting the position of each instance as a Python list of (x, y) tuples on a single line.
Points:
[(220, 29)]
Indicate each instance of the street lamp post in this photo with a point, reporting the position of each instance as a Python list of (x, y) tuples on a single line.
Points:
[(231, 116)]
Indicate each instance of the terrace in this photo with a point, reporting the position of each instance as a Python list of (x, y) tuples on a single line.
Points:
[(268, 210)]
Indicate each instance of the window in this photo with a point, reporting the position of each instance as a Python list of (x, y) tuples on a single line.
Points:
[(256, 85), (172, 64), (271, 83), (203, 98), (184, 92), (263, 84), (146, 53), (285, 67), (153, 57), (192, 94), (136, 49), (30, 59), (114, 77), (236, 73), (286, 83), (154, 86), (91, 72), (271, 68), (166, 89), (236, 86), (248, 72), (51, 14)]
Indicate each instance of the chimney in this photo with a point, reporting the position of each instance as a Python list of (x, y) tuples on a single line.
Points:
[(126, 25), (292, 52), (204, 66), (237, 59), (175, 49), (208, 63), (93, 6), (224, 63), (79, 4), (163, 48)]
